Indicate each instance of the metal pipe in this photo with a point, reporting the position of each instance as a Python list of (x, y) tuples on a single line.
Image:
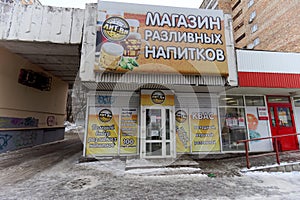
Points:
[(247, 155), (277, 151)]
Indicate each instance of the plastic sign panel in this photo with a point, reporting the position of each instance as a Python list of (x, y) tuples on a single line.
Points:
[(102, 133), (158, 39), (129, 131), (182, 131), (157, 97), (204, 130), (262, 113)]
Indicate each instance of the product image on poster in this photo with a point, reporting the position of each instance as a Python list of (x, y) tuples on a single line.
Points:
[(204, 130), (182, 131), (157, 39), (258, 128), (129, 131), (102, 132)]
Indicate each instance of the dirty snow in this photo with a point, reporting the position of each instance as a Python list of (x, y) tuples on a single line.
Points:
[(60, 176), (110, 180)]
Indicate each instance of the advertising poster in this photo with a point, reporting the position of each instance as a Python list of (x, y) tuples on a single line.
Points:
[(204, 130), (129, 131), (262, 113), (102, 133), (159, 39), (157, 97), (182, 131), (257, 129)]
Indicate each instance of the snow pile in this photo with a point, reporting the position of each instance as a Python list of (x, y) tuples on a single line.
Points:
[(69, 127), (118, 167)]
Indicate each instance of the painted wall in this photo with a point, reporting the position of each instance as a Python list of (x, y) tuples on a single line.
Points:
[(20, 101)]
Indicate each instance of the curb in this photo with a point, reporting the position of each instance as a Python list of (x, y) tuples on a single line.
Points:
[(284, 167)]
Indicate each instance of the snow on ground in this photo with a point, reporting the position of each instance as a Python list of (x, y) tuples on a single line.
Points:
[(110, 180), (53, 172)]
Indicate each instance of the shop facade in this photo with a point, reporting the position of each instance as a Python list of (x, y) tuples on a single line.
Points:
[(153, 76), (163, 123), (162, 82), (274, 77)]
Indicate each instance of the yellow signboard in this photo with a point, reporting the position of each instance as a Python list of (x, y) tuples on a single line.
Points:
[(129, 131), (102, 133), (156, 39), (157, 97), (204, 130), (182, 131)]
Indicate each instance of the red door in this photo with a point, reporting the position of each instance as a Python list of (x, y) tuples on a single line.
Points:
[(282, 123)]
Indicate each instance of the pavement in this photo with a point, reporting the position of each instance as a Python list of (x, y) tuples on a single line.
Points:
[(53, 171)]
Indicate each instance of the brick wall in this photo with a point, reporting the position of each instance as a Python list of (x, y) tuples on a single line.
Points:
[(278, 24)]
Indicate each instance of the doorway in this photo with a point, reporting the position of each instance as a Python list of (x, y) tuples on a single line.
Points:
[(157, 132), (282, 122)]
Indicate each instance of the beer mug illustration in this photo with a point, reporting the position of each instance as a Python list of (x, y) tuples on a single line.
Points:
[(132, 45), (110, 55), (134, 25)]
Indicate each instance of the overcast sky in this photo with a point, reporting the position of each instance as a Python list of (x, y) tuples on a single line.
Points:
[(81, 3)]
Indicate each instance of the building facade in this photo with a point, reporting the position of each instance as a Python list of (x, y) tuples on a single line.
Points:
[(262, 24), (39, 60)]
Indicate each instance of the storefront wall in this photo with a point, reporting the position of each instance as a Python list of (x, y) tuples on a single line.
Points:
[(123, 124)]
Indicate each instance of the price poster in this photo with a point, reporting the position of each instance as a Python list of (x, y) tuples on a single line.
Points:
[(129, 131), (182, 131), (204, 130), (102, 133)]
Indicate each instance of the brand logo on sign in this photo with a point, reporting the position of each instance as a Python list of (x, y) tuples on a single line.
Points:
[(181, 116), (105, 115), (158, 97), (115, 29)]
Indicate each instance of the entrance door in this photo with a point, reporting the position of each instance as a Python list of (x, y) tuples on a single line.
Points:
[(157, 132), (282, 122)]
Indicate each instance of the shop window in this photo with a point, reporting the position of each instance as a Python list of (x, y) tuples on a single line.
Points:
[(272, 117), (297, 101), (233, 128), (231, 101), (278, 100), (255, 101), (284, 117)]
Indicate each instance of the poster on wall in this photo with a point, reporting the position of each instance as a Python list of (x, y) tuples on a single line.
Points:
[(159, 39), (129, 131), (102, 131), (182, 131), (258, 128), (204, 130), (262, 113)]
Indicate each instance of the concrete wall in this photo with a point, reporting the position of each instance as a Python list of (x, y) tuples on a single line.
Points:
[(20, 101), (18, 139)]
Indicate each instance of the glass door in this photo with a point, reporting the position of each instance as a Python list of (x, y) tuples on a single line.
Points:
[(157, 138)]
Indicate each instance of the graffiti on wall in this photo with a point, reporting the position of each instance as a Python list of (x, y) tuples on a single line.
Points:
[(26, 139), (11, 122), (4, 140)]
